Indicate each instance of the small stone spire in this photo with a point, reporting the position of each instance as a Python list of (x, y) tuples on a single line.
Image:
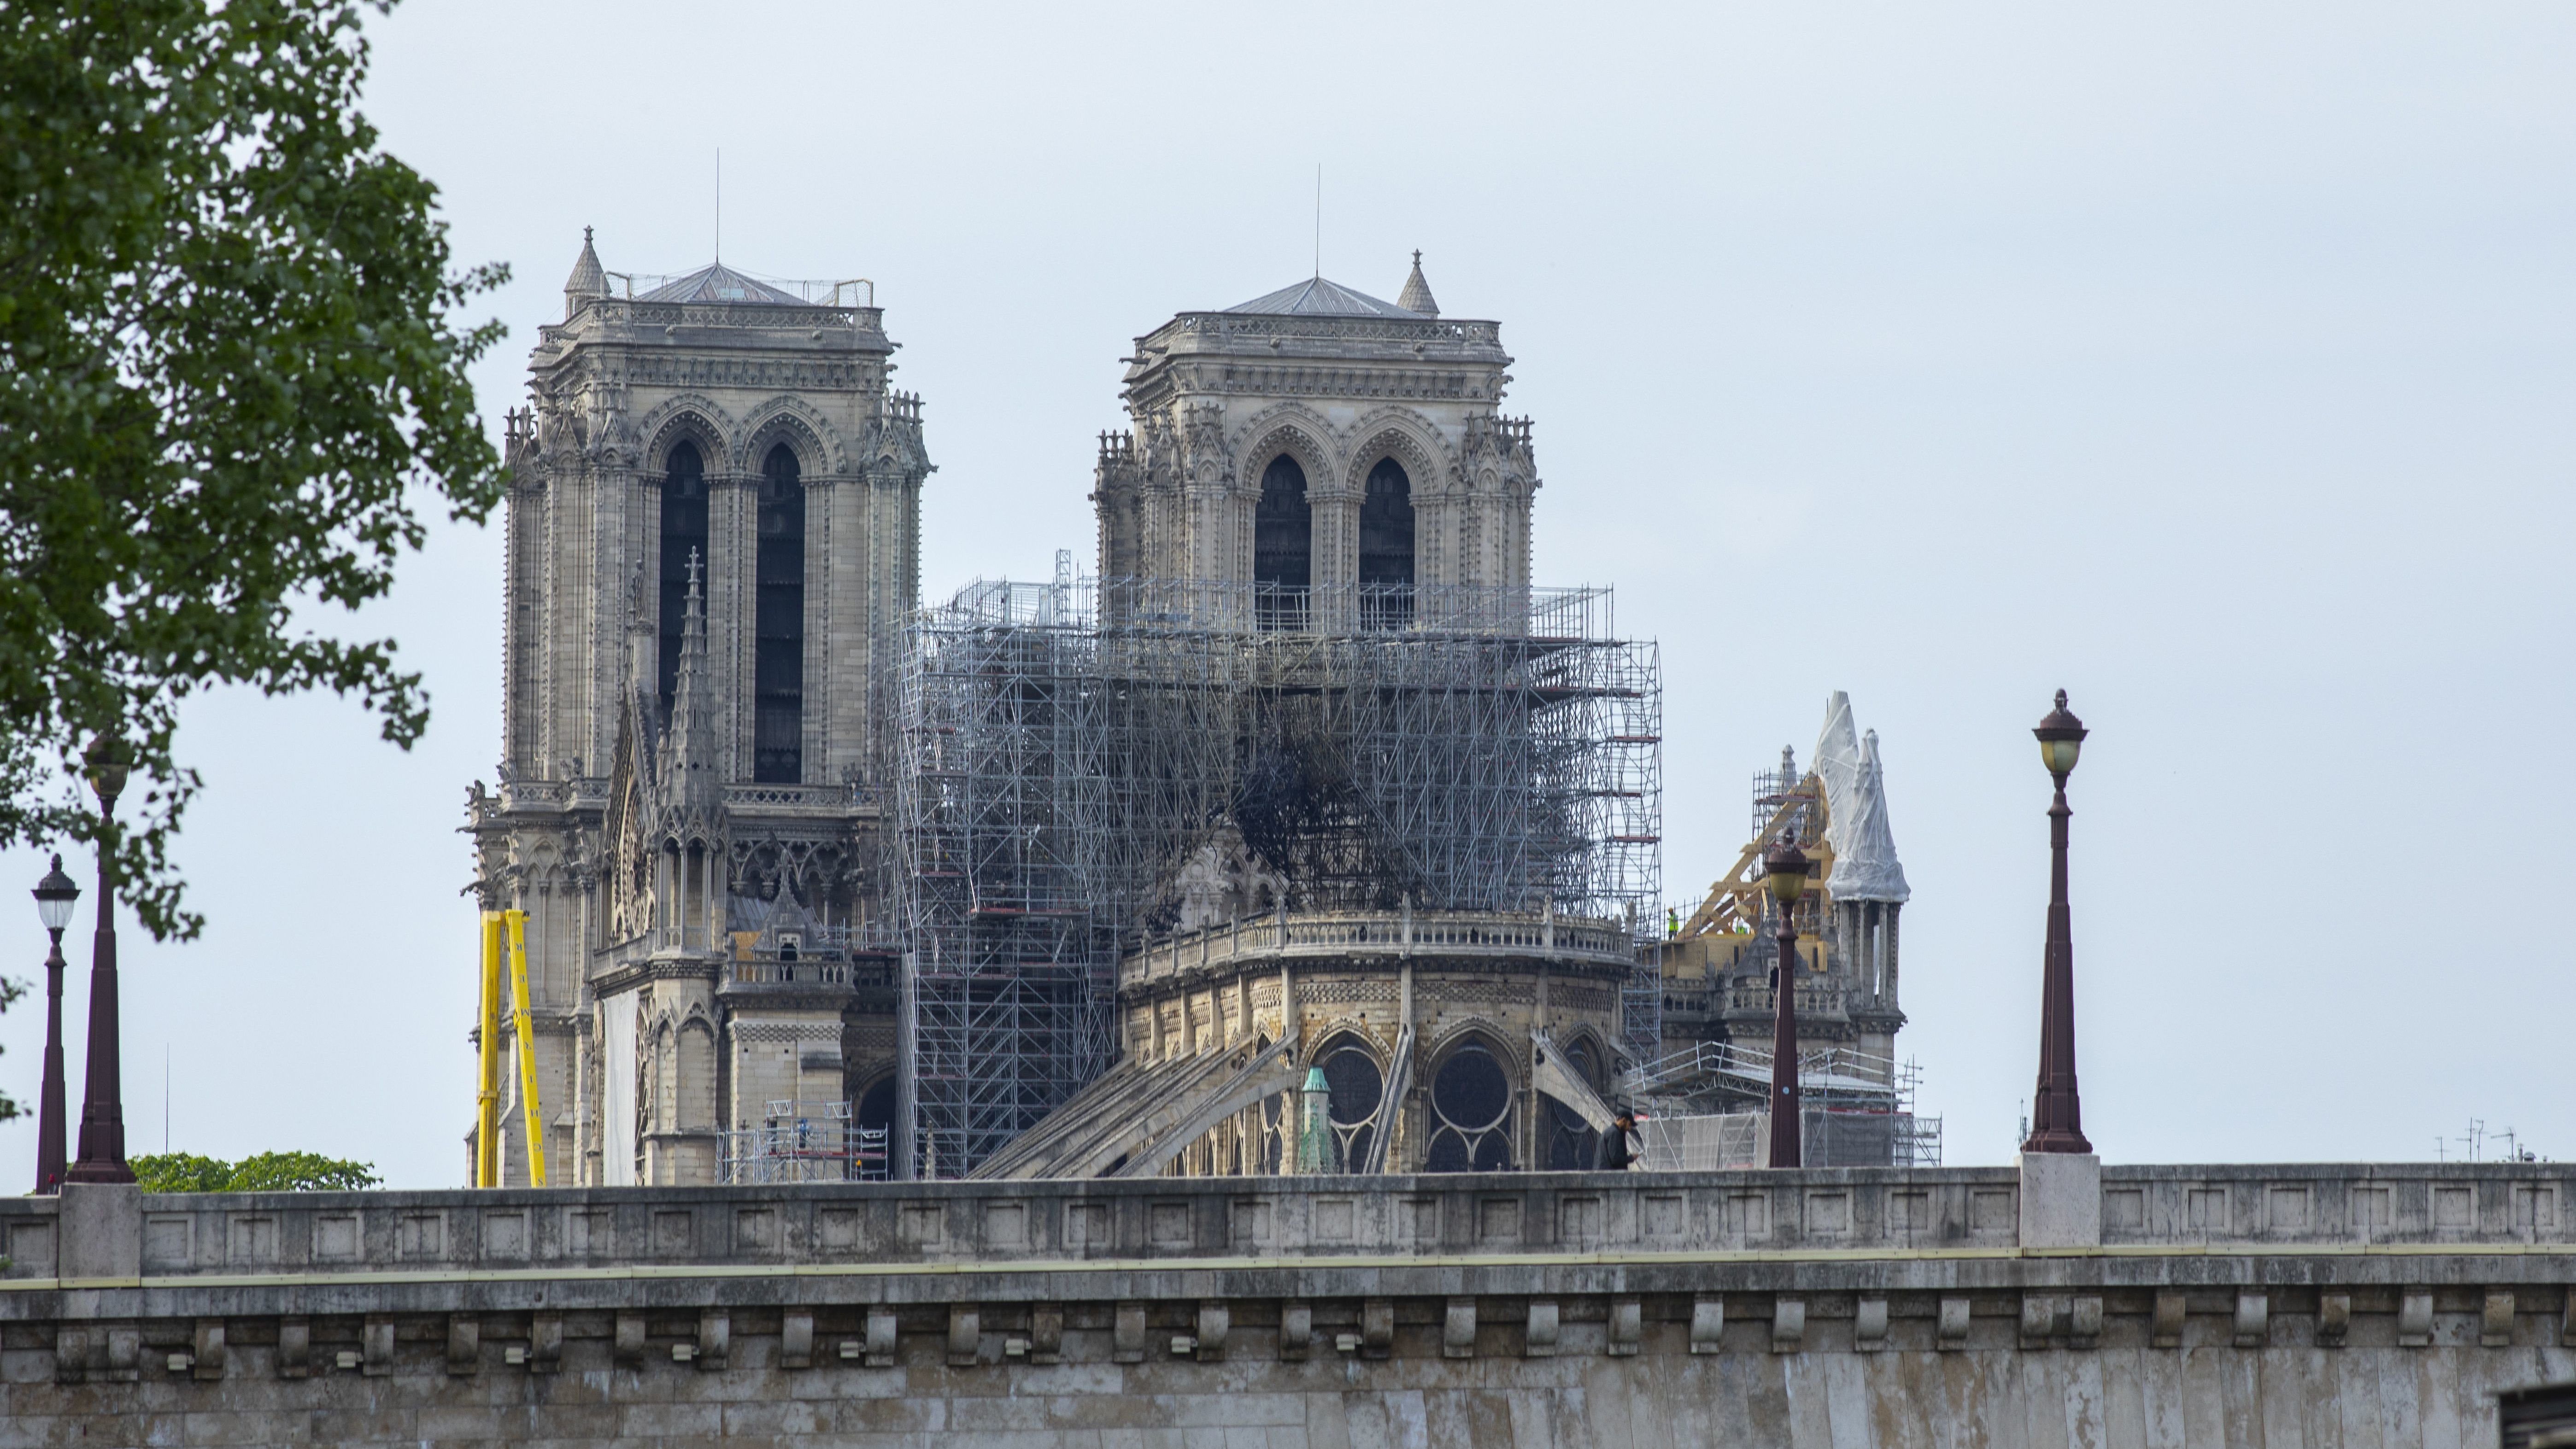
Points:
[(1416, 296), (588, 279), (690, 756)]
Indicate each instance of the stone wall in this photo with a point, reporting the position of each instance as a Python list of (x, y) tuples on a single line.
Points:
[(1832, 1308)]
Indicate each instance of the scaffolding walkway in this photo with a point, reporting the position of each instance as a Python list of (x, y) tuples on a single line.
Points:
[(803, 1142)]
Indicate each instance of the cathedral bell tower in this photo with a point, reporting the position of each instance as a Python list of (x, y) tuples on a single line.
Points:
[(1317, 443), (712, 538)]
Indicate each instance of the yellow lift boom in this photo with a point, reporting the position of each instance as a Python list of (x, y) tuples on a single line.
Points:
[(487, 1094), (529, 1111)]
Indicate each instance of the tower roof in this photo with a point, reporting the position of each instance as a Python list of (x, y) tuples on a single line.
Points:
[(588, 278), (1871, 871), (1316, 297), (1416, 296), (717, 282)]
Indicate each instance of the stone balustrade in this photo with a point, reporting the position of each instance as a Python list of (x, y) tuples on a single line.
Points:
[(1344, 934)]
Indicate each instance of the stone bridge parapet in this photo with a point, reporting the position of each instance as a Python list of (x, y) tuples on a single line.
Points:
[(2138, 1305)]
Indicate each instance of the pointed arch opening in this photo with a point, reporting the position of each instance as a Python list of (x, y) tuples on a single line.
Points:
[(1283, 545), (1356, 1083), (684, 535), (1386, 547), (1471, 1112), (778, 661)]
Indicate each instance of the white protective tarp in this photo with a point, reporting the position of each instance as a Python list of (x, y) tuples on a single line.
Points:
[(617, 1100), (1865, 866), (1837, 765)]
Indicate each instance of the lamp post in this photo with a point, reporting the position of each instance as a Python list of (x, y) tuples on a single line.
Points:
[(102, 1128), (54, 897), (2057, 1113), (1784, 869)]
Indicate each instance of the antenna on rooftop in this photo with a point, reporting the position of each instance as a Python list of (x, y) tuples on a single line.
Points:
[(1319, 221), (719, 203)]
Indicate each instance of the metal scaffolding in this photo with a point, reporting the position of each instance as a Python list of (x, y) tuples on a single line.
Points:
[(1066, 748)]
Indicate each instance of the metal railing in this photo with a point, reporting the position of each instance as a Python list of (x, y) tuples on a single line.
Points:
[(1730, 1141), (804, 1142)]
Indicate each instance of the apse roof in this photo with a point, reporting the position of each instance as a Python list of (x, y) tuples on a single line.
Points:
[(1316, 297), (720, 283)]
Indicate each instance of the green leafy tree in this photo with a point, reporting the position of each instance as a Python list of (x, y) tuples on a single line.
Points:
[(261, 1172), (231, 377), (300, 1172), (181, 1172)]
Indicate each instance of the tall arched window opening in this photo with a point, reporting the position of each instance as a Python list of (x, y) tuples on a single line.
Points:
[(1386, 547), (1471, 1113), (1283, 545), (1351, 1075), (778, 660), (684, 533)]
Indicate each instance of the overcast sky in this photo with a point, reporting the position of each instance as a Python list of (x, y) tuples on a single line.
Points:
[(2211, 362)]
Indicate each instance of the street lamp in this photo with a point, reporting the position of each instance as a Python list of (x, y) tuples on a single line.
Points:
[(54, 897), (1784, 870), (2057, 1113), (102, 1128)]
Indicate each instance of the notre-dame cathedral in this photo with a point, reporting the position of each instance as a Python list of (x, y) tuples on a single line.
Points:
[(1309, 835)]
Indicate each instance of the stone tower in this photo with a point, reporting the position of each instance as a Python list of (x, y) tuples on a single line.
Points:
[(713, 534), (1317, 437), (1386, 812)]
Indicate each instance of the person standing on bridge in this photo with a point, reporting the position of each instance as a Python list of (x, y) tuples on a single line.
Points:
[(1617, 1153)]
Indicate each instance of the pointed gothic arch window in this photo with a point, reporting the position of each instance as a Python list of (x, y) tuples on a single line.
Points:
[(1471, 1112), (1283, 545), (778, 661), (684, 532), (1386, 546), (1356, 1085)]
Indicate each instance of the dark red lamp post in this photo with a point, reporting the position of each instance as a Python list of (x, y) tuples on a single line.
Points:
[(2057, 1113), (1784, 869), (102, 1128), (54, 897)]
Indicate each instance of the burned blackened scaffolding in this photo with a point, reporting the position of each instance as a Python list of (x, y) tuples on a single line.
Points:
[(1067, 748)]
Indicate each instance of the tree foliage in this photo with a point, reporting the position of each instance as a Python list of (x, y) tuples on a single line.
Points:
[(181, 1172), (230, 379), (261, 1172)]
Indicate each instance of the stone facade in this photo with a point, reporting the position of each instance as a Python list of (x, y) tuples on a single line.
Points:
[(699, 891), (2316, 1306), (1339, 384), (1384, 989)]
